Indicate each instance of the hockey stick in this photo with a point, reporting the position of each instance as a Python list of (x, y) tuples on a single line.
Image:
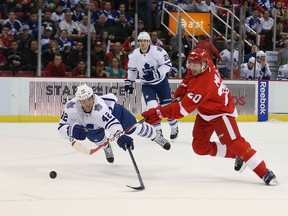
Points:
[(141, 187), (88, 151)]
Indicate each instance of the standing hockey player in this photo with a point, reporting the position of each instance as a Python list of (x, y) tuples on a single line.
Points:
[(205, 91), (88, 115), (152, 64)]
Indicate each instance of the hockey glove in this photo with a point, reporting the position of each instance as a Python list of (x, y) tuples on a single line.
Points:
[(128, 86), (182, 88), (125, 141), (77, 131), (173, 72), (153, 115)]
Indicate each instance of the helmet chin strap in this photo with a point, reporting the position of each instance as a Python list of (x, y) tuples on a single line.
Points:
[(204, 66)]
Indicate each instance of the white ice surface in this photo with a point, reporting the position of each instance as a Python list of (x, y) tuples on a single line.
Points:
[(178, 182)]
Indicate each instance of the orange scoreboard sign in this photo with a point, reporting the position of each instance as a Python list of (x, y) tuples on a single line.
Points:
[(202, 19)]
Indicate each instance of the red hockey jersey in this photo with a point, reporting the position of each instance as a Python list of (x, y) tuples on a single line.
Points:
[(206, 93)]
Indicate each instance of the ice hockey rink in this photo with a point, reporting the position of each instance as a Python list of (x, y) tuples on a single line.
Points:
[(178, 182)]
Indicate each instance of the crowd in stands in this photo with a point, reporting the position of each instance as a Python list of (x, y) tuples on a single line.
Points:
[(65, 27)]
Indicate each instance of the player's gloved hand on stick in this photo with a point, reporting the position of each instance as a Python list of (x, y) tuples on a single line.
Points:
[(153, 116), (77, 131), (128, 86), (124, 141), (173, 72)]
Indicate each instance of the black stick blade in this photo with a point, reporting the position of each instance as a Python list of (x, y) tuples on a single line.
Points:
[(141, 187)]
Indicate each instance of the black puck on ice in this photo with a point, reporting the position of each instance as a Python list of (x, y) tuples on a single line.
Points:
[(53, 174)]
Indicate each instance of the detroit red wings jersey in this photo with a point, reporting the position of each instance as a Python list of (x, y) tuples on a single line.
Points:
[(206, 93)]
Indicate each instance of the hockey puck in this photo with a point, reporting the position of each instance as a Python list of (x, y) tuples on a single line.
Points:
[(53, 174)]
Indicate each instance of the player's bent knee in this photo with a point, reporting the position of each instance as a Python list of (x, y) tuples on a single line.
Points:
[(200, 147)]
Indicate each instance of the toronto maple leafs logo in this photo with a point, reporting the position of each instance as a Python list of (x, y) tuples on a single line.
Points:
[(148, 72), (70, 104), (98, 107)]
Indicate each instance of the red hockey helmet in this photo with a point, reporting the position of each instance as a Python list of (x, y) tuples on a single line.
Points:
[(199, 55)]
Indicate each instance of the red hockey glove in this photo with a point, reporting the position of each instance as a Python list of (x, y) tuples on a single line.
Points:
[(182, 88), (153, 115)]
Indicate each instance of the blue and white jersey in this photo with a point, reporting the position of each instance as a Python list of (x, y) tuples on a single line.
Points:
[(248, 73), (151, 67), (225, 61), (100, 117), (283, 72)]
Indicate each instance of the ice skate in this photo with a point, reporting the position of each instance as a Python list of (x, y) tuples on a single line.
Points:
[(270, 179), (174, 133), (239, 164), (159, 139), (109, 153)]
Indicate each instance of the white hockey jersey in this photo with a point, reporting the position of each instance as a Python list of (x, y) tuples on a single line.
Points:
[(151, 67), (226, 59), (264, 71), (283, 72), (100, 117), (247, 73)]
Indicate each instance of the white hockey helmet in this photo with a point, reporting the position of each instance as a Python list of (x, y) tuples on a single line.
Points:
[(84, 92), (261, 53), (144, 36)]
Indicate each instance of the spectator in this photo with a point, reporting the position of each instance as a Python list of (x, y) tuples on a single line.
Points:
[(255, 24), (254, 50), (48, 54), (101, 24), (13, 23), (278, 10), (99, 70), (209, 47), (122, 10), (248, 71), (127, 45), (105, 41), (64, 41), (47, 21), (70, 26), (282, 57), (80, 70), (224, 65), (186, 42), (84, 28), (117, 53), (24, 38), (267, 22), (66, 55), (141, 26), (77, 13), (121, 29), (201, 6), (155, 40), (77, 55), (6, 39), (33, 24), (115, 70), (58, 14), (263, 66), (30, 61), (55, 68), (14, 58), (46, 37), (93, 7), (110, 18), (97, 54)]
